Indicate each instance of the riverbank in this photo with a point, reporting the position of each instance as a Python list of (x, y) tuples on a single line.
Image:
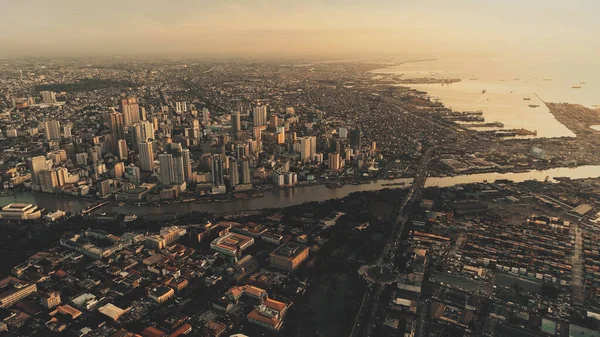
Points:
[(296, 196)]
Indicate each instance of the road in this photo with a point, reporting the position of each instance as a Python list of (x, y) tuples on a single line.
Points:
[(367, 314)]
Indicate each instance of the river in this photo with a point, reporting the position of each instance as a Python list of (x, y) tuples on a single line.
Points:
[(293, 196)]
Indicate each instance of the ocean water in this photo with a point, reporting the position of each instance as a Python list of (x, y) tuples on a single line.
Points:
[(506, 83)]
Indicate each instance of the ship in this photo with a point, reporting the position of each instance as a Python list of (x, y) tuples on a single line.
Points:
[(581, 82), (401, 183), (526, 99), (130, 217), (473, 78), (533, 105), (483, 91), (576, 87), (547, 79)]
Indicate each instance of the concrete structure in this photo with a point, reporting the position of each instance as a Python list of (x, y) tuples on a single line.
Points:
[(146, 156), (13, 290), (231, 244), (288, 256), (20, 211), (269, 314)]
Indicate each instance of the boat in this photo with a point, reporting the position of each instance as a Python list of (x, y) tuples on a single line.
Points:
[(484, 91), (473, 78), (533, 105), (576, 87), (547, 79), (526, 99), (581, 82), (130, 217), (401, 183)]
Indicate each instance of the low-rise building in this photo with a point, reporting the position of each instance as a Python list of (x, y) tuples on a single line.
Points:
[(289, 256)]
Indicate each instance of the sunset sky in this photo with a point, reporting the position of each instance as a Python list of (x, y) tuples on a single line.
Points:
[(300, 28)]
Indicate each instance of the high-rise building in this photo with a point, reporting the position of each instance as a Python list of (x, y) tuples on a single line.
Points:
[(234, 172), (51, 299), (259, 115), (176, 151), (245, 171), (117, 125), (36, 166), (146, 156), (217, 170), (334, 162), (104, 188), (242, 150), (205, 115), (67, 130), (52, 130), (273, 121), (48, 96), (343, 132), (355, 139), (132, 173), (187, 164), (118, 170), (123, 151), (307, 147), (236, 126), (131, 111), (167, 171), (81, 158)]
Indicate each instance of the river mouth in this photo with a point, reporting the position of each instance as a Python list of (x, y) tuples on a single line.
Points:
[(294, 196)]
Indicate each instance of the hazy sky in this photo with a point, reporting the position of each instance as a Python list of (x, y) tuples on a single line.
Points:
[(302, 27)]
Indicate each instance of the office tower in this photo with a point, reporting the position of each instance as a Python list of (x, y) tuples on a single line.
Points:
[(217, 170), (184, 107), (245, 171), (51, 299), (308, 147), (132, 173), (81, 158), (118, 170), (167, 172), (257, 132), (236, 126), (123, 151), (176, 151), (242, 150), (51, 179), (178, 108), (187, 164), (67, 130), (334, 162), (348, 153), (135, 134), (259, 115), (52, 130), (343, 132), (117, 125), (205, 115), (36, 166), (142, 113), (317, 158), (48, 96), (104, 188), (355, 139), (273, 121), (234, 172), (146, 156), (130, 110)]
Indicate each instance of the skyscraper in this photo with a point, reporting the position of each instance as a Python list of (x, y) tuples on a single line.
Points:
[(67, 130), (355, 139), (167, 171), (117, 125), (131, 111), (178, 165), (259, 115), (273, 121), (334, 162), (123, 151), (217, 170), (236, 127), (234, 172), (187, 164), (52, 130), (245, 171), (48, 96), (36, 166), (146, 156)]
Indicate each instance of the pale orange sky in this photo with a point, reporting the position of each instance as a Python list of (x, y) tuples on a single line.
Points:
[(551, 28)]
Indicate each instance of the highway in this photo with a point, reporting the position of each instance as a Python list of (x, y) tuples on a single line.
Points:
[(365, 318)]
